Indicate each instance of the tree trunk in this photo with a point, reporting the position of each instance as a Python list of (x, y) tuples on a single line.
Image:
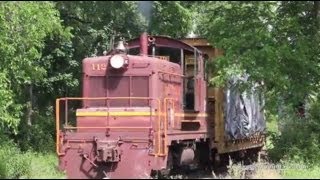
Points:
[(29, 115)]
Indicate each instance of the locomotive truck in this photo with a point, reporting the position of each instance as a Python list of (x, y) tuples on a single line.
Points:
[(145, 112)]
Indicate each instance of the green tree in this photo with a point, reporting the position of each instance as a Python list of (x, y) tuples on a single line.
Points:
[(171, 18), (24, 28), (273, 42), (95, 23)]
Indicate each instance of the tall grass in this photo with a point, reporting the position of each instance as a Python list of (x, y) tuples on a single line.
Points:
[(44, 166), (283, 170), (16, 164), (299, 170)]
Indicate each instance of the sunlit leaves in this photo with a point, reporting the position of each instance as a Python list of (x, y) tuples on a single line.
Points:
[(24, 27), (274, 42), (171, 18)]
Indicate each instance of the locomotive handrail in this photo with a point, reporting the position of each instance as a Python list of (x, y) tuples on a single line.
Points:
[(109, 127), (105, 127), (166, 119)]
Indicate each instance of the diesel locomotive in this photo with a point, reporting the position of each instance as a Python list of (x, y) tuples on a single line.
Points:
[(143, 112)]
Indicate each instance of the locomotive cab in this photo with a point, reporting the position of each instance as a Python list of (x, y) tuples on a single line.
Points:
[(191, 65)]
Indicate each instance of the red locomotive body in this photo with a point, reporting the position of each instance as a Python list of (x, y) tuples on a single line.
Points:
[(140, 114)]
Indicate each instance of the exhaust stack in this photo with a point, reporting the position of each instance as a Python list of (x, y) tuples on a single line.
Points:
[(144, 44)]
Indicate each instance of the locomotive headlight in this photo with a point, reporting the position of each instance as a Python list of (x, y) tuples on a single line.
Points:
[(117, 61)]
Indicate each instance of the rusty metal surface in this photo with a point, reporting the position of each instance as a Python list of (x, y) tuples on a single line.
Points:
[(143, 44), (163, 41), (134, 160), (196, 42)]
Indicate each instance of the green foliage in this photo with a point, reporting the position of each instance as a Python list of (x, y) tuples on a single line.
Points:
[(44, 166), (40, 137), (9, 110), (34, 47), (16, 164), (13, 164), (62, 71), (24, 27), (95, 23), (300, 170), (299, 139), (171, 18), (273, 42)]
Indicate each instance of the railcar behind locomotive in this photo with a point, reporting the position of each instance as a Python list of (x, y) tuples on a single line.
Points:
[(141, 114)]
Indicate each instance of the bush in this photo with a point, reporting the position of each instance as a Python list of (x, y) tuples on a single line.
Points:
[(44, 166), (17, 164), (299, 139), (39, 137), (299, 170), (13, 163)]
